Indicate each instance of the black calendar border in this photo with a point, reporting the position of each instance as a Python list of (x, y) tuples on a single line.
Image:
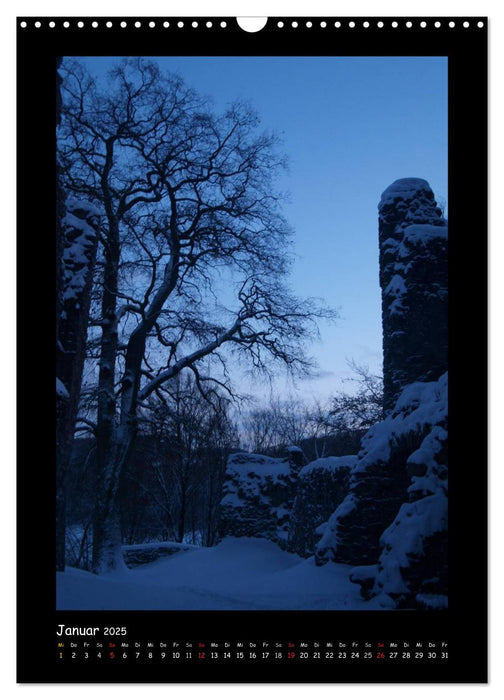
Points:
[(464, 624)]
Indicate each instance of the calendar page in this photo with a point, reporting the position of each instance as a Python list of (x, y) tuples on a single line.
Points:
[(266, 456)]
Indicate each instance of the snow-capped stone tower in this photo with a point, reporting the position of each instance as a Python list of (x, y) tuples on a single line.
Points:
[(413, 239), (392, 525)]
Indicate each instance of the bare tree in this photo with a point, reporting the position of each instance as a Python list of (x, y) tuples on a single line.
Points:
[(76, 243), (273, 427), (259, 432), (320, 430), (193, 252), (358, 410), (193, 439)]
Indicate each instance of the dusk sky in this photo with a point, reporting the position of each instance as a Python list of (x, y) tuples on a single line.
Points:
[(350, 127)]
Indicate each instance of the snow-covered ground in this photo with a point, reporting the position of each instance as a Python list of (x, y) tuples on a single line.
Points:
[(238, 574)]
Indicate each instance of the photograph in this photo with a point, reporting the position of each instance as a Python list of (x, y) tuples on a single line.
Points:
[(252, 334)]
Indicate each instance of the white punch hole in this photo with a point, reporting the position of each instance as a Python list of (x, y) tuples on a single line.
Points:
[(251, 24)]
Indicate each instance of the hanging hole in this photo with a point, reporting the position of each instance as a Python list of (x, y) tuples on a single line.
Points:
[(252, 24)]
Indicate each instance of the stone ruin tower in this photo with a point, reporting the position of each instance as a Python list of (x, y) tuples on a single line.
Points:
[(392, 525), (413, 280)]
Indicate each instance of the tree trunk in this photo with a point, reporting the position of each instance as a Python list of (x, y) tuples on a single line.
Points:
[(78, 229), (182, 516), (106, 526), (107, 537), (210, 530), (115, 444), (107, 555)]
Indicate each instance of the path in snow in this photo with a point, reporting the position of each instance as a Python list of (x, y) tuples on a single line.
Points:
[(238, 574)]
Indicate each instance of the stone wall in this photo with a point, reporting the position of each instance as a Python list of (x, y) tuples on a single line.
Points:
[(258, 494), (284, 500), (322, 485), (392, 525), (412, 567)]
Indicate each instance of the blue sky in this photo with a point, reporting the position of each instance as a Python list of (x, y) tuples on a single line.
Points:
[(350, 126)]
